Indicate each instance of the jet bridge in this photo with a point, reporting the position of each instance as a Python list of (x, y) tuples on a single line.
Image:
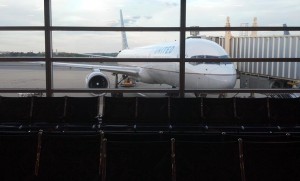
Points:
[(265, 74)]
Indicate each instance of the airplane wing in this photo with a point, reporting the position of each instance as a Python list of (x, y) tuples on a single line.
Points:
[(132, 71), (96, 55)]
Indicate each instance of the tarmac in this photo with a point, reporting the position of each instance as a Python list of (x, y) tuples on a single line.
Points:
[(24, 75)]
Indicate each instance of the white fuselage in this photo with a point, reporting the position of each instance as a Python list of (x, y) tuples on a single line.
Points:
[(198, 75)]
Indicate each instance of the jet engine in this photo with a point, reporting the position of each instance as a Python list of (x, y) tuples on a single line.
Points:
[(97, 80)]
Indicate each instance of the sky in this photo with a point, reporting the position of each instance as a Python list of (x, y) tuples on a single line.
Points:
[(137, 13)]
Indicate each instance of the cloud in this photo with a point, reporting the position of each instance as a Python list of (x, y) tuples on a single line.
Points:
[(113, 23), (129, 22), (136, 17), (171, 4), (21, 13), (148, 17), (139, 13)]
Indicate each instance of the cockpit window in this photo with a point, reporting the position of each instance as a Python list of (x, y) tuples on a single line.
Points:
[(209, 57)]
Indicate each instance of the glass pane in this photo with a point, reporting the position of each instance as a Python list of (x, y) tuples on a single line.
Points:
[(106, 13), (22, 44), (105, 43), (22, 75), (242, 13), (21, 13), (257, 44), (162, 75), (254, 75), (148, 76), (203, 70)]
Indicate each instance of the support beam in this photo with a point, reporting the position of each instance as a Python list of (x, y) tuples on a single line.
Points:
[(182, 47), (48, 47)]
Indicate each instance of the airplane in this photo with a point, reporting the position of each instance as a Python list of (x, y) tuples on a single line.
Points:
[(198, 75)]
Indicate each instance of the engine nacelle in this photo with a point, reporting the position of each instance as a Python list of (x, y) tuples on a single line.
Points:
[(97, 80)]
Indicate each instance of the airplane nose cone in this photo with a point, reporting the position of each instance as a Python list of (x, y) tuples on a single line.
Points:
[(223, 77)]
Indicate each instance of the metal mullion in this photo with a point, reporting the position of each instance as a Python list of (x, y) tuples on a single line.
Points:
[(26, 90), (21, 28), (71, 59), (261, 59), (48, 47), (182, 48), (113, 90), (78, 28), (238, 90), (261, 28), (244, 60), (13, 59), (75, 28), (22, 90)]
